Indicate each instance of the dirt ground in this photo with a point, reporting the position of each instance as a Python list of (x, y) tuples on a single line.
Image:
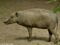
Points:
[(16, 34)]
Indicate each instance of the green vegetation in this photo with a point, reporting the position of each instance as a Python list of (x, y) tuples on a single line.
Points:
[(51, 1), (57, 8)]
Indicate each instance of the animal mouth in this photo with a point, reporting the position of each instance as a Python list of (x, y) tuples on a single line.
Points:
[(7, 23)]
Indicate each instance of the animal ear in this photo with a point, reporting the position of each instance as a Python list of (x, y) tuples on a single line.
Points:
[(16, 14)]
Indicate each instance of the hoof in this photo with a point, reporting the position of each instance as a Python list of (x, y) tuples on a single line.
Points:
[(29, 39), (49, 40)]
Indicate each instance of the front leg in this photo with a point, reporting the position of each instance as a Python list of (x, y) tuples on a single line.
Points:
[(30, 33)]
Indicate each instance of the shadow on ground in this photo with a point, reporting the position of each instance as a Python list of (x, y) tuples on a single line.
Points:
[(33, 38)]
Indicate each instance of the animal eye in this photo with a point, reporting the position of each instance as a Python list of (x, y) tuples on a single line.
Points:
[(11, 16)]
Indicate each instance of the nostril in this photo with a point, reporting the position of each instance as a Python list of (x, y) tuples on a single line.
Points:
[(4, 22)]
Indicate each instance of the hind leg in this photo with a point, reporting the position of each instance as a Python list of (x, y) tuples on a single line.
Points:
[(50, 35), (54, 32), (56, 36)]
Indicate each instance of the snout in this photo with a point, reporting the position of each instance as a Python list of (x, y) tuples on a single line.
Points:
[(6, 22)]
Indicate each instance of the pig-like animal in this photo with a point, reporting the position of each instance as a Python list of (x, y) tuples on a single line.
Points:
[(36, 18)]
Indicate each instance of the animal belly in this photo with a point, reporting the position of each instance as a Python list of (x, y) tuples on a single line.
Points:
[(42, 25)]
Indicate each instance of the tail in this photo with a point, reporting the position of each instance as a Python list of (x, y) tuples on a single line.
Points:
[(57, 21), (57, 38)]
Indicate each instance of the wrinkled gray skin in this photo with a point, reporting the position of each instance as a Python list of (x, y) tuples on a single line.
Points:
[(36, 18)]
